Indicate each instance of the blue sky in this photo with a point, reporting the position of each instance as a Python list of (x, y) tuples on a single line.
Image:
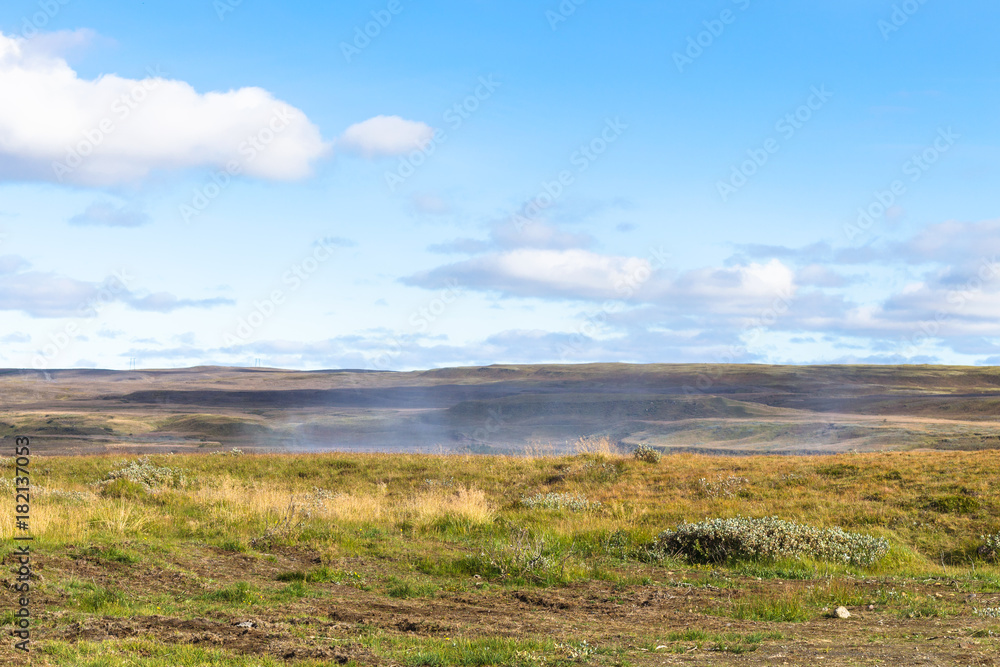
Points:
[(198, 182)]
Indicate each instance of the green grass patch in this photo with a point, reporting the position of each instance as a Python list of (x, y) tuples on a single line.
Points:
[(762, 607), (954, 504), (240, 593), (397, 587), (109, 554), (149, 653), (99, 600)]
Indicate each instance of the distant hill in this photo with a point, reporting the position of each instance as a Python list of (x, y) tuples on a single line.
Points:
[(504, 408)]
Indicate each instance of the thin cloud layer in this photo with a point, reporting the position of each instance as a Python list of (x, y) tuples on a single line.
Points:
[(106, 214), (44, 294)]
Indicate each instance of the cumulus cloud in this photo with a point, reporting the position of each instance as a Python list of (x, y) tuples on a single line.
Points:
[(748, 283), (57, 126), (539, 272), (106, 214), (384, 136)]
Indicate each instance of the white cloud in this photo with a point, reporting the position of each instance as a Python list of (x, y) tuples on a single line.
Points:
[(383, 136), (571, 270), (753, 282), (556, 272), (113, 130), (540, 272)]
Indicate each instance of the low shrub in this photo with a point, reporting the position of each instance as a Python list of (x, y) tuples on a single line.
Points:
[(721, 540), (990, 548), (647, 454), (146, 473)]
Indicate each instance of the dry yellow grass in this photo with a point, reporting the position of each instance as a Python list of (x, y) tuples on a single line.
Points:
[(598, 445), (891, 494), (464, 503)]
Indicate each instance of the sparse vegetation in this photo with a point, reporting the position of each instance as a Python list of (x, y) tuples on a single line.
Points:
[(722, 486), (385, 556), (559, 501)]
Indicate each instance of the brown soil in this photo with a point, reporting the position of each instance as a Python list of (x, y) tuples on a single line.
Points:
[(632, 617)]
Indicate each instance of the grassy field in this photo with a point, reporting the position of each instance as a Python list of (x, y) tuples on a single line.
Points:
[(236, 560)]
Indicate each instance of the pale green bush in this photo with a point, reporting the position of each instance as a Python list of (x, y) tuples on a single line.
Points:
[(646, 453), (720, 540)]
